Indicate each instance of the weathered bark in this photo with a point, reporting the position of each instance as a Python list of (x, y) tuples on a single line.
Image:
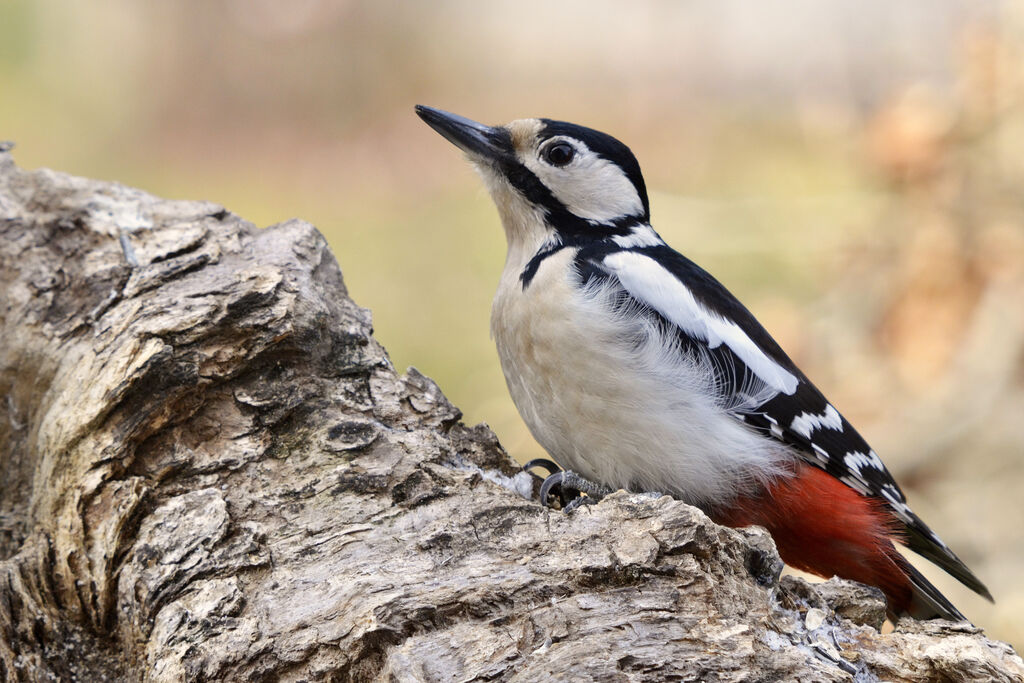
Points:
[(213, 472)]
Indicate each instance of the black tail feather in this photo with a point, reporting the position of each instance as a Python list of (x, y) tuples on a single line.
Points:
[(917, 539), (926, 601)]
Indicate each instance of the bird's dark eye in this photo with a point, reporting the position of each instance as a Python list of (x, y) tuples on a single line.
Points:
[(559, 154)]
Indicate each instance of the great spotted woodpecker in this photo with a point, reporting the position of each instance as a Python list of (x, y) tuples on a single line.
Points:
[(635, 368)]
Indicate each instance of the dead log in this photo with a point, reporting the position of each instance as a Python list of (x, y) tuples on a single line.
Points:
[(213, 472)]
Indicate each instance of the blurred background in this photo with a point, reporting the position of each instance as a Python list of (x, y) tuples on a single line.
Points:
[(852, 169)]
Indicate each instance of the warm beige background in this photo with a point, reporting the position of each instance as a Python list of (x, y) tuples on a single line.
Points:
[(852, 169)]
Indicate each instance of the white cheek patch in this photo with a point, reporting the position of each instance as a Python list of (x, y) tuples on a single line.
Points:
[(648, 281), (590, 187)]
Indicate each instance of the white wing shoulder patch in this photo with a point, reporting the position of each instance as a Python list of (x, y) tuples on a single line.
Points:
[(645, 279)]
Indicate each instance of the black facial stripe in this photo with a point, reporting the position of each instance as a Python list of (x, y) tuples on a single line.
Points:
[(568, 224), (534, 264), (537, 193)]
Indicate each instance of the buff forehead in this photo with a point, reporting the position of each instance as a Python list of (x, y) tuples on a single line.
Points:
[(524, 133)]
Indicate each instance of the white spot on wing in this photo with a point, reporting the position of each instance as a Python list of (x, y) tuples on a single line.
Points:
[(805, 423), (856, 461), (896, 502), (892, 494), (648, 281)]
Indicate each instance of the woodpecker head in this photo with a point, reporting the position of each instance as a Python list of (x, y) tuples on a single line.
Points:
[(551, 178)]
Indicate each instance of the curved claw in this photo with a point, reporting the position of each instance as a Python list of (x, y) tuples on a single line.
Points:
[(552, 482), (570, 487), (550, 465)]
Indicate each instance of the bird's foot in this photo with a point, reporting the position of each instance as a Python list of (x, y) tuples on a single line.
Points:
[(571, 485), (568, 485)]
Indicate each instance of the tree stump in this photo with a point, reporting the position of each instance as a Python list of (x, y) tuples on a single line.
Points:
[(213, 472)]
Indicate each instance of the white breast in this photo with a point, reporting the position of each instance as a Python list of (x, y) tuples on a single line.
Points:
[(607, 396)]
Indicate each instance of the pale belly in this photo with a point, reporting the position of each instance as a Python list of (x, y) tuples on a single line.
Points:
[(607, 398)]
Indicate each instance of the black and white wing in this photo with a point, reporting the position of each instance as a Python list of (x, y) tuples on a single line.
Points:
[(758, 383)]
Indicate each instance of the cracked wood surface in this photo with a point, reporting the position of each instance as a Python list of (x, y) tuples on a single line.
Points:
[(213, 472)]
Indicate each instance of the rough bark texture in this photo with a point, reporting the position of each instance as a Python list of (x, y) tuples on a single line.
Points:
[(213, 472)]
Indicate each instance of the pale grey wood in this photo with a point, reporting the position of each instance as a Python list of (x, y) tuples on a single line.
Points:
[(213, 472)]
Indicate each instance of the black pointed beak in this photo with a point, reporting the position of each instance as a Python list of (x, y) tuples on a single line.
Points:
[(474, 138)]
